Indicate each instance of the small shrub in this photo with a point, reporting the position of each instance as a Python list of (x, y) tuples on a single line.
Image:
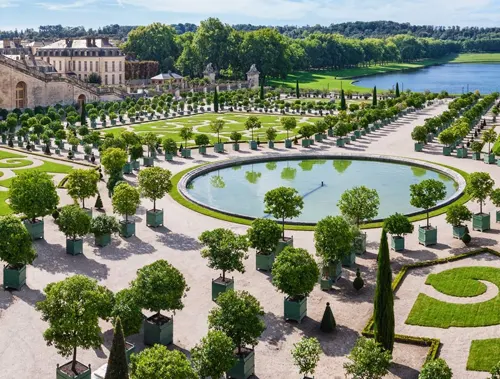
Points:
[(358, 282)]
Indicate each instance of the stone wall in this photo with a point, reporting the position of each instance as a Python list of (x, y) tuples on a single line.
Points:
[(40, 91)]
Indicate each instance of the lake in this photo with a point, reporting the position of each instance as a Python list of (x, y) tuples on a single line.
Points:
[(452, 77)]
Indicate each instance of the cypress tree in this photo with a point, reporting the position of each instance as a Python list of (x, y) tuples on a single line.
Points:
[(383, 315), (117, 362), (343, 105), (374, 100), (397, 89), (262, 89), (216, 101), (98, 202), (297, 90), (328, 323), (83, 115)]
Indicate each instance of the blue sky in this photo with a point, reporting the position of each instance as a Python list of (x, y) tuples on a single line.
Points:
[(93, 13)]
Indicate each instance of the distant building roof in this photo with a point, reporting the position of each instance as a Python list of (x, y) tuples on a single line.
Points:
[(168, 76), (83, 43)]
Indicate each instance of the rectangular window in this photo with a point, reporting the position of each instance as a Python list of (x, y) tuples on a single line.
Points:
[(85, 66), (120, 79), (113, 66), (120, 66), (105, 66), (79, 65), (74, 65), (97, 66), (106, 79), (85, 77), (91, 66), (113, 79), (80, 76), (60, 65)]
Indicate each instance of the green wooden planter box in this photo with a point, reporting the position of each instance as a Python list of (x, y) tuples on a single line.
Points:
[(243, 368), (58, 151), (333, 271), (62, 375), (347, 140), (419, 147), (74, 247), (295, 310), (305, 142), (127, 229), (20, 144), (318, 137), (219, 287), (353, 137), (264, 262), (447, 150), (148, 161), (127, 168), (397, 243), (462, 152), (373, 128), (340, 142), (4, 138), (14, 278), (288, 143), (481, 222), (219, 147), (364, 132), (74, 148), (129, 350), (325, 284), (476, 156), (349, 260), (154, 218), (330, 132), (270, 144), (35, 230), (359, 244), (102, 240), (357, 133), (253, 145), (135, 164), (236, 147), (497, 213), (202, 149), (288, 241), (427, 237), (489, 158), (458, 231), (169, 157), (186, 153), (158, 334)]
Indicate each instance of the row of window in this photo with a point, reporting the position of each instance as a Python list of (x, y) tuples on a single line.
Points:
[(88, 53), (106, 80), (89, 67)]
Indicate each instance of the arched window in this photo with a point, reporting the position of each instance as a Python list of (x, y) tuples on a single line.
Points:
[(21, 101), (81, 100)]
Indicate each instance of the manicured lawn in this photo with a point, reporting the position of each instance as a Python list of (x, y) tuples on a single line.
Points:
[(115, 131), (484, 354), (477, 58), (15, 162), (4, 207), (461, 282), (6, 154), (56, 168)]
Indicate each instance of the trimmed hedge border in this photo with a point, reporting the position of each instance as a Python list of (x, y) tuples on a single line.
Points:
[(179, 198), (433, 343), (47, 156)]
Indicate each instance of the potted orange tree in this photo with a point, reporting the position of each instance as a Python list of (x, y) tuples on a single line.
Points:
[(74, 222), (397, 225), (479, 188), (154, 184), (264, 236), (125, 201)]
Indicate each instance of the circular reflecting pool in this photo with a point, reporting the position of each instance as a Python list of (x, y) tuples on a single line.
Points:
[(240, 189)]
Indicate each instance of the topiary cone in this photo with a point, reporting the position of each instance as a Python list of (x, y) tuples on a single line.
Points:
[(117, 362), (358, 282), (98, 202), (328, 323)]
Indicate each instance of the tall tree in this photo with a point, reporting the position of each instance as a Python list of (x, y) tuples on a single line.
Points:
[(83, 114), (383, 315), (297, 90), (374, 100), (216, 101), (343, 104), (397, 90), (117, 362), (261, 95)]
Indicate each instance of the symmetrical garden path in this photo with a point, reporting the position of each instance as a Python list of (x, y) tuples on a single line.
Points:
[(26, 354)]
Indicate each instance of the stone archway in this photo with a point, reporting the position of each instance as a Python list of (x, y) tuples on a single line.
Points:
[(21, 95), (81, 100)]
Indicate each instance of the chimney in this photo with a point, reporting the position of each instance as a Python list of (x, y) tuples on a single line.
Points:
[(17, 42), (89, 42)]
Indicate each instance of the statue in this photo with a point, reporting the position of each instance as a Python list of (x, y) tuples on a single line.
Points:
[(209, 73), (253, 77)]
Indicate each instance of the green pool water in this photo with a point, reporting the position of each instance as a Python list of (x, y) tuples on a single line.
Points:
[(241, 189)]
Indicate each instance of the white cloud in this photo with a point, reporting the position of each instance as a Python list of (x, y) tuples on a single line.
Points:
[(6, 3), (65, 6)]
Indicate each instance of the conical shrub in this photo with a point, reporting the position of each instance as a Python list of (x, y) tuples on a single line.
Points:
[(117, 363), (328, 323), (358, 282)]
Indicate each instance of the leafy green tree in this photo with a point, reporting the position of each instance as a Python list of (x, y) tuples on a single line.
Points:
[(224, 250), (73, 221), (368, 360), (419, 134), (82, 184), (72, 308), (34, 194), (341, 129), (186, 133), (359, 204), (169, 146), (201, 140), (117, 363), (295, 273), (235, 136), (126, 308), (159, 362), (383, 314), (126, 200), (16, 248), (398, 225), (155, 42), (213, 356), (333, 237), (495, 371), (216, 126), (154, 183), (283, 203), (489, 137), (159, 286), (426, 194), (113, 160), (150, 140), (436, 369), (480, 187), (264, 235), (306, 354), (457, 214), (271, 134), (252, 123), (239, 315), (288, 123)]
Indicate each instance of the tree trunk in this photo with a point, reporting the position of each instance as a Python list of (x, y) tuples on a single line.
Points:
[(480, 207), (223, 275), (83, 203), (154, 205), (427, 219), (73, 365), (283, 229)]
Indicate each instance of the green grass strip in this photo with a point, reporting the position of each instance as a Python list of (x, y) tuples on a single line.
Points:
[(5, 154), (176, 195), (15, 162), (483, 354), (4, 207)]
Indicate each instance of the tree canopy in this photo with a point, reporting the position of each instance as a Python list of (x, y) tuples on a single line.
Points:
[(283, 203), (359, 204), (154, 183), (16, 247), (82, 184), (159, 362)]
